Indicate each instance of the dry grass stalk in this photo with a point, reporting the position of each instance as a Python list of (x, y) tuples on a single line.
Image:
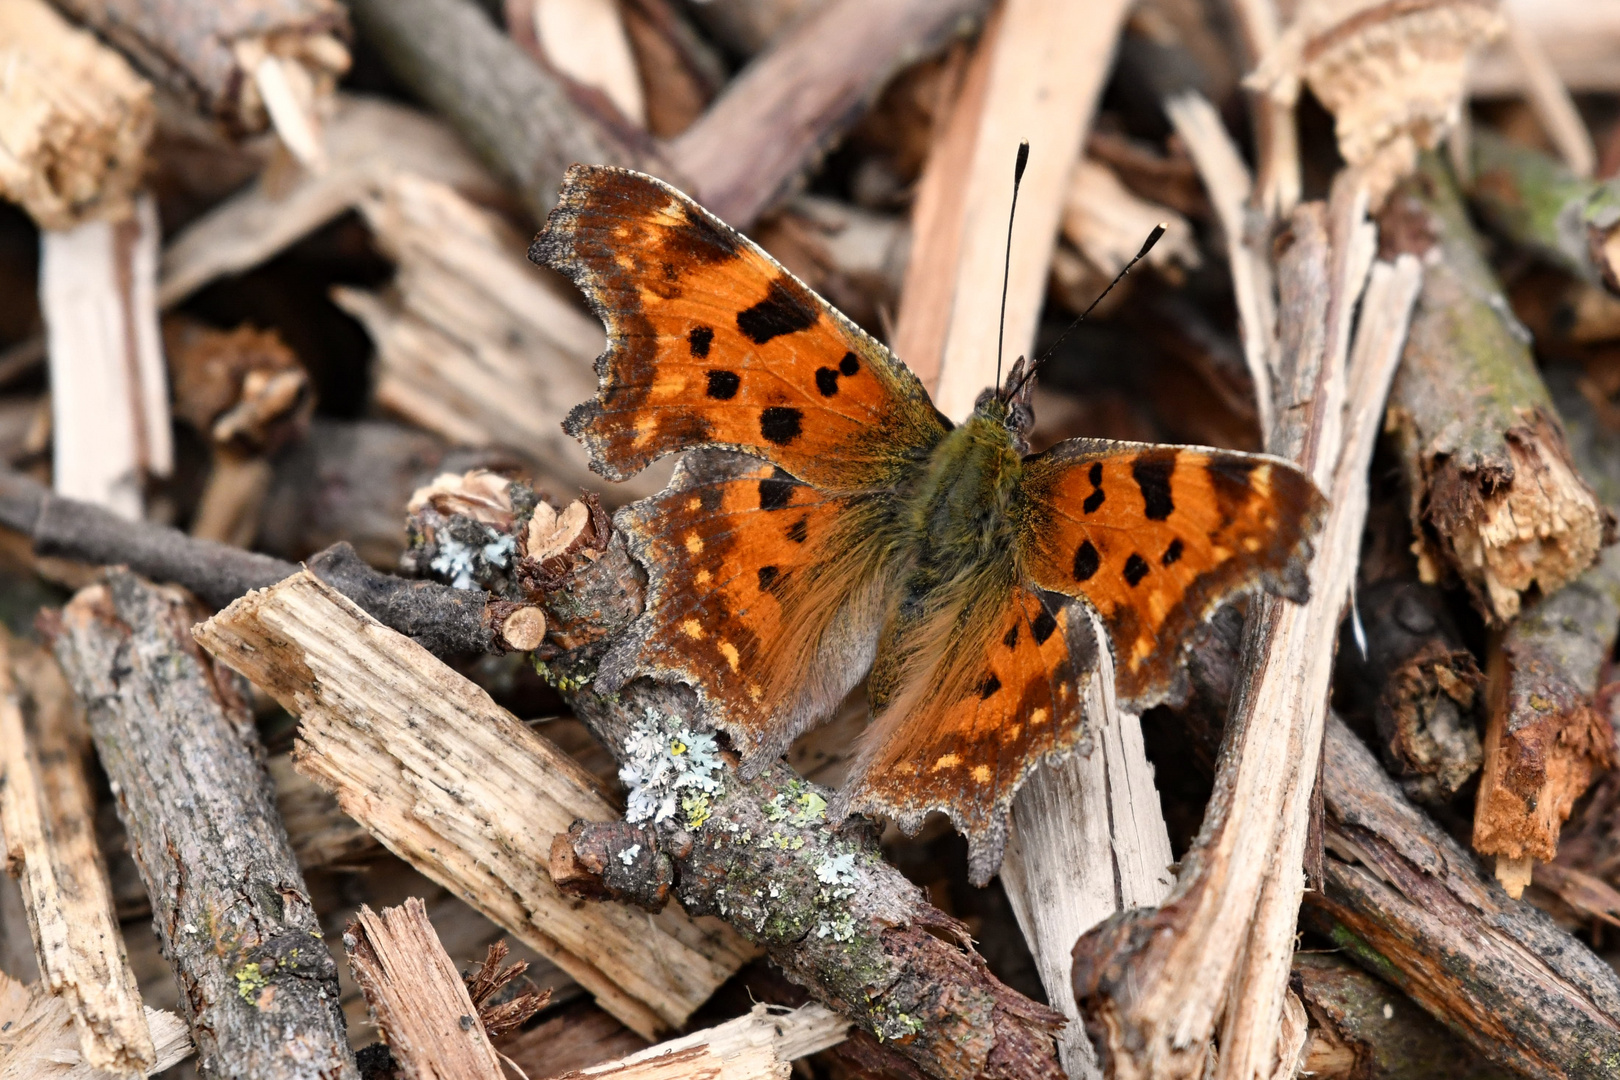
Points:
[(47, 815), (41, 1040), (459, 788), (109, 388), (422, 1007), (75, 120), (1046, 70), (1393, 75), (472, 341)]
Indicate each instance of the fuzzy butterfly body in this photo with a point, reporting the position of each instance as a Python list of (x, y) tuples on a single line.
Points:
[(829, 522)]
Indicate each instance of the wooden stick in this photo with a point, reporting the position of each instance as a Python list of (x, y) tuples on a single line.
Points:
[(210, 53), (1108, 223), (1045, 74), (1089, 840), (473, 342), (74, 120), (518, 117), (1578, 38), (747, 27), (1405, 902), (235, 921), (756, 1046), (367, 139), (47, 815), (40, 1040), (1550, 99), (1494, 496), (421, 1005), (109, 386), (459, 788), (1536, 202), (585, 40), (795, 100), (1230, 186)]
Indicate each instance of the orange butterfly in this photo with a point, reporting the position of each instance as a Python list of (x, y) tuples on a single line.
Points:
[(829, 521)]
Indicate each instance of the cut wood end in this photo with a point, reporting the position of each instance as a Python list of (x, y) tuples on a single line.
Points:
[(1514, 874), (1393, 75), (524, 629), (552, 532)]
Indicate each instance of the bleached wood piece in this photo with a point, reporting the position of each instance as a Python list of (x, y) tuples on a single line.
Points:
[(455, 785), (1581, 39), (1108, 222), (75, 119), (422, 1007), (473, 341), (586, 41), (1249, 1041), (1048, 67), (1089, 839), (366, 139), (1550, 99), (758, 1045), (109, 385), (1229, 184), (1276, 128), (39, 1040), (47, 817)]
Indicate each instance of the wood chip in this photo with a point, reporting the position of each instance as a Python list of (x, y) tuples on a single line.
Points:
[(421, 1005), (38, 1040), (47, 816), (459, 788)]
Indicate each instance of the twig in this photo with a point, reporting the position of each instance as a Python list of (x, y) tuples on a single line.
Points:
[(421, 1005), (235, 921), (75, 120), (519, 118), (458, 787), (1550, 98), (47, 815), (1494, 496), (1403, 900), (757, 1046), (794, 100), (1535, 201)]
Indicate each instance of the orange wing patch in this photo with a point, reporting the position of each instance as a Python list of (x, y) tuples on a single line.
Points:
[(967, 753), (711, 343), (1157, 537), (733, 550)]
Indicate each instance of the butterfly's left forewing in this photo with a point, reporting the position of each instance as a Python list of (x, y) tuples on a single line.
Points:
[(1155, 538)]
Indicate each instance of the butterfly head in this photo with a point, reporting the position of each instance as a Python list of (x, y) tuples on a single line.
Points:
[(1010, 404)]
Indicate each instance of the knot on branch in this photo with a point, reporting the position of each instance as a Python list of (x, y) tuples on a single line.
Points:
[(612, 860)]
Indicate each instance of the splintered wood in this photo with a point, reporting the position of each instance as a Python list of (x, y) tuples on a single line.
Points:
[(74, 119), (47, 815), (40, 1041), (758, 1046), (421, 1005), (457, 786)]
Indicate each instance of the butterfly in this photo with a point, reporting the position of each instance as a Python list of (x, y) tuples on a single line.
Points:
[(826, 523)]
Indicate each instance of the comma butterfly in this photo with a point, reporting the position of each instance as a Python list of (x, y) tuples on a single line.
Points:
[(830, 521)]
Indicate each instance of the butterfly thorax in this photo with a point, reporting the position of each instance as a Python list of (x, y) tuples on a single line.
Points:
[(959, 512)]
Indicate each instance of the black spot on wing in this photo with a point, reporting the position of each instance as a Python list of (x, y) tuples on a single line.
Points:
[(1172, 554), (1136, 568), (1093, 501), (827, 381), (1152, 474), (849, 365), (723, 384), (1043, 626), (698, 340), (781, 424), (767, 577), (1010, 638), (799, 531), (776, 491), (1086, 561), (989, 686), (1095, 474), (783, 311), (700, 238)]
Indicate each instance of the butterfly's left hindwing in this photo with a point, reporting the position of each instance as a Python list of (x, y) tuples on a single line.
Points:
[(1156, 537)]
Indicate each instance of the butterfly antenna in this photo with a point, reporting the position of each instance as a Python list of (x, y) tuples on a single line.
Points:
[(1006, 266), (1147, 246)]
